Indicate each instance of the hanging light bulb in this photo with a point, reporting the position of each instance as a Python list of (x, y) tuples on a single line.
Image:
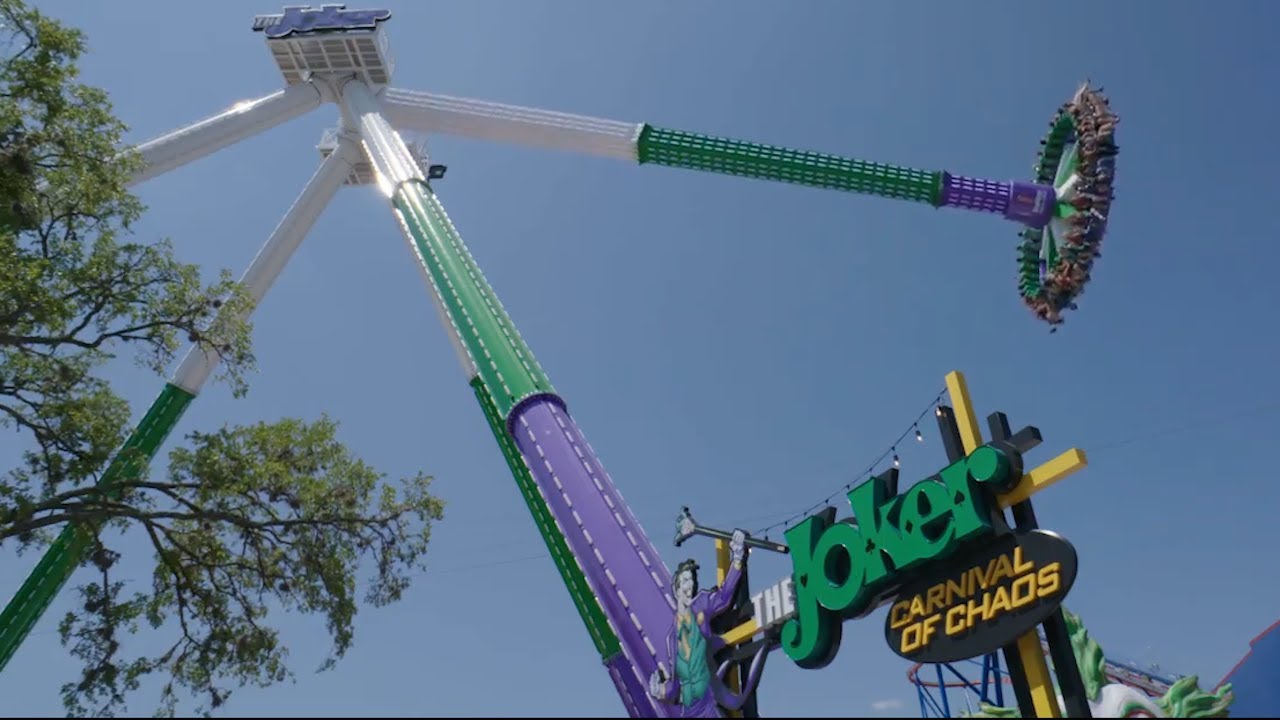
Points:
[(896, 461), (938, 411), (919, 437)]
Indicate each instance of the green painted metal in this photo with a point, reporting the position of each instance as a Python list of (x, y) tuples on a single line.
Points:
[(68, 550), (1049, 170), (676, 148), (505, 364), (1068, 168), (1055, 143), (606, 641), (507, 373)]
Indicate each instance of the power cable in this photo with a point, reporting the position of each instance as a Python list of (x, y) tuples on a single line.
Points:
[(871, 468)]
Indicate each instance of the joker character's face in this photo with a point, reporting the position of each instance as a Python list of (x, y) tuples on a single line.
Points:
[(686, 588)]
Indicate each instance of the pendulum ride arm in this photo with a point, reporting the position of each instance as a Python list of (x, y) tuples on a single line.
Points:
[(559, 474), (68, 550), (240, 121), (1027, 203), (430, 113)]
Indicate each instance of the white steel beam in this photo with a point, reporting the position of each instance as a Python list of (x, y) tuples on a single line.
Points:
[(242, 120), (426, 112), (386, 150), (279, 248)]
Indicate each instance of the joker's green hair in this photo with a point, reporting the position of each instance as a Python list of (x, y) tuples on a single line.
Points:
[(1183, 699), (1089, 656)]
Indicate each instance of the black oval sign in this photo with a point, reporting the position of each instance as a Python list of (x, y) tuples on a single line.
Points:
[(982, 601)]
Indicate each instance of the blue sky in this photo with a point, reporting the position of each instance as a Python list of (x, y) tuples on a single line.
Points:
[(743, 347)]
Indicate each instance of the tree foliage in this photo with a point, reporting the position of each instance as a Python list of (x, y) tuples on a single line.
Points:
[(274, 516)]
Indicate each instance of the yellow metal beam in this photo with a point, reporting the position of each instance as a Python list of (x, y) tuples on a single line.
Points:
[(746, 630), (1036, 479), (966, 420), (722, 571), (742, 633), (1043, 476), (1043, 696)]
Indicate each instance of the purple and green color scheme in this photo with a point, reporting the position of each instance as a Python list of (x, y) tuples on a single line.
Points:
[(613, 573), (73, 543), (1026, 203), (1064, 210), (71, 547), (1078, 160)]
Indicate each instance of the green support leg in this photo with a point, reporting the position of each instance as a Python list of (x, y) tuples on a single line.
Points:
[(503, 360), (68, 550), (602, 635)]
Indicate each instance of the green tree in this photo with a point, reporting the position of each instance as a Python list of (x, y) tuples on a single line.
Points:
[(246, 520)]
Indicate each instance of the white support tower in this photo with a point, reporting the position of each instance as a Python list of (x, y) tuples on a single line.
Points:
[(319, 49), (362, 171), (499, 122), (334, 55), (271, 260), (242, 120)]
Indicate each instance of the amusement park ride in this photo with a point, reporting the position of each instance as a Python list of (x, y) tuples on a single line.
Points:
[(625, 595)]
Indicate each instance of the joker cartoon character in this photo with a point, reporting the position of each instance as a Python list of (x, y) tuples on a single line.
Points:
[(698, 685)]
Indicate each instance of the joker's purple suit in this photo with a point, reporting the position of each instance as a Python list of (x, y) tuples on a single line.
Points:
[(696, 685)]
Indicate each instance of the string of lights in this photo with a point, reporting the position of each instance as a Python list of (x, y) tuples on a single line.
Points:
[(891, 451), (1225, 418), (915, 426)]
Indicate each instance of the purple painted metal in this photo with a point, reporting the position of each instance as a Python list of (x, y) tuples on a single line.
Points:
[(1030, 204), (974, 193), (629, 686), (1026, 203), (624, 570)]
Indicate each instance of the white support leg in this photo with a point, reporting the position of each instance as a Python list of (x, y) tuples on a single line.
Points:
[(425, 112), (198, 365), (240, 121), (386, 149)]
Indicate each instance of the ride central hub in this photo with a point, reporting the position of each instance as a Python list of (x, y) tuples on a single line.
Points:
[(329, 40)]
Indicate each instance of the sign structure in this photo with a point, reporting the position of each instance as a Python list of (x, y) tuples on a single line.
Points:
[(848, 568), (774, 605), (983, 601), (960, 579), (329, 17)]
